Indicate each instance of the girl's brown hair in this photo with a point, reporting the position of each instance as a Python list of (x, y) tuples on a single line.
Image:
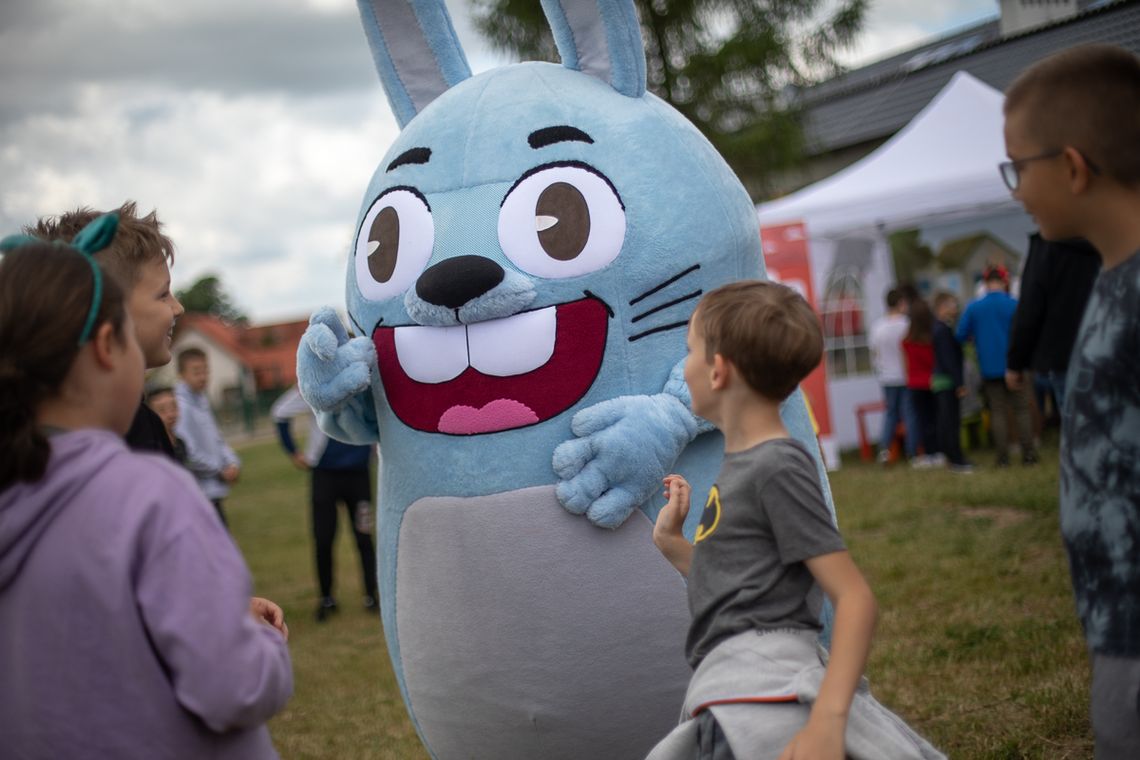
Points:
[(45, 295), (921, 322)]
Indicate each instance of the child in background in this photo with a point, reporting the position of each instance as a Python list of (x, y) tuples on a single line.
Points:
[(338, 473), (987, 322), (948, 383), (208, 456), (128, 628), (918, 348), (1072, 127), (886, 354), (766, 551), (163, 402)]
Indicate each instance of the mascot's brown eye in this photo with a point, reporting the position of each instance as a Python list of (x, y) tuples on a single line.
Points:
[(562, 219), (384, 244), (393, 244)]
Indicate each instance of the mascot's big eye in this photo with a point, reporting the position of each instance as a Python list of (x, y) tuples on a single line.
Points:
[(394, 243), (561, 221)]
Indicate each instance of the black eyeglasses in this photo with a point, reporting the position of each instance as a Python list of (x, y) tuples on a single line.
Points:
[(1011, 170)]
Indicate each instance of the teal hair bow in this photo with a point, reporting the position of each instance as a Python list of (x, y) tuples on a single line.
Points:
[(93, 238)]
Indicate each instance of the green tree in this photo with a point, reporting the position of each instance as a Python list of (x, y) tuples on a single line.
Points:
[(727, 65), (207, 296)]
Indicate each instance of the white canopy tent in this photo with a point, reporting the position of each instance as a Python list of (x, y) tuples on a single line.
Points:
[(939, 175)]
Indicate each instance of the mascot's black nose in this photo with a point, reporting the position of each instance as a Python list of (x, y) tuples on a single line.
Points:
[(456, 281)]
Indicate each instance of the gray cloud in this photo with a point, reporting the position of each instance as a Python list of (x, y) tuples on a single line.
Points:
[(251, 125), (47, 53)]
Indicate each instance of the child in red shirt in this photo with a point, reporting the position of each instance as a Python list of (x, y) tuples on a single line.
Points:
[(918, 350)]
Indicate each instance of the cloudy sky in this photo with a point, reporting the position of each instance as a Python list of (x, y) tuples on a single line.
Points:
[(251, 125)]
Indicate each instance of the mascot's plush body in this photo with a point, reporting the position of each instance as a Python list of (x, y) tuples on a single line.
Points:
[(527, 256)]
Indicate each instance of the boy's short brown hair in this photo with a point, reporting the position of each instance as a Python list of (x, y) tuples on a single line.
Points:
[(767, 331), (190, 355), (138, 240), (1088, 98)]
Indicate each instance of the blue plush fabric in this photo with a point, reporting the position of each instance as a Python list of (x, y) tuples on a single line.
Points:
[(606, 417)]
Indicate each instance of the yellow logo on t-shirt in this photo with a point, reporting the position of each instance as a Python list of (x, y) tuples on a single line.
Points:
[(710, 518)]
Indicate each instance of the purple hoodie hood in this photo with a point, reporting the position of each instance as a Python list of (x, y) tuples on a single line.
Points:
[(28, 509)]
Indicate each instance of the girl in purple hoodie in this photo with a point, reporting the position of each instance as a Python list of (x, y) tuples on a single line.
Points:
[(126, 628)]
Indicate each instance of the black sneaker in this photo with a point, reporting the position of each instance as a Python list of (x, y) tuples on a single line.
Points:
[(326, 608), (1030, 459), (370, 603), (1002, 461)]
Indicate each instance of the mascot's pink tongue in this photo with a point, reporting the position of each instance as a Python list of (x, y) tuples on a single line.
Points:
[(500, 414)]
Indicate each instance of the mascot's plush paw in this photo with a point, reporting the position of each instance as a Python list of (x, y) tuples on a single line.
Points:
[(331, 369), (625, 446)]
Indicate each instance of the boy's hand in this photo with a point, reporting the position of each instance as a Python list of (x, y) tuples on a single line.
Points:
[(265, 611), (820, 739), (230, 473), (667, 531), (671, 518)]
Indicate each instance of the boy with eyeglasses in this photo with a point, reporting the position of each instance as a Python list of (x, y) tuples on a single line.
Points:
[(1072, 133)]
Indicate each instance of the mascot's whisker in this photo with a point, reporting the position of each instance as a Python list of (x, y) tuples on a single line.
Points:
[(665, 284), (662, 328), (688, 297)]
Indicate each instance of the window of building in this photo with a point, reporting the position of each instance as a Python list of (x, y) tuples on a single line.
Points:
[(844, 328)]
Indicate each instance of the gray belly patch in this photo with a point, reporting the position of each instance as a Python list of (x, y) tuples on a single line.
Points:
[(526, 632)]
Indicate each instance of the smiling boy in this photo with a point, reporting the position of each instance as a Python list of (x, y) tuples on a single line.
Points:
[(139, 258), (1072, 134)]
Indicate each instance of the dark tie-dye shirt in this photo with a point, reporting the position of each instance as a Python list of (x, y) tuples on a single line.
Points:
[(1100, 464)]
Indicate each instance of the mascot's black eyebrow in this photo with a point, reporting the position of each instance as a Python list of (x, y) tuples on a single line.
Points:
[(540, 138), (413, 156)]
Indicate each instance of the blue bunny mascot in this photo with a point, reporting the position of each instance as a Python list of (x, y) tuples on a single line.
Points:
[(527, 256)]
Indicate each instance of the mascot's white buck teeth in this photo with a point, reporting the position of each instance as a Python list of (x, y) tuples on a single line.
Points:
[(501, 347)]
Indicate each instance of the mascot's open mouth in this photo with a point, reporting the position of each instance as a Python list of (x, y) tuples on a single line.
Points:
[(492, 376)]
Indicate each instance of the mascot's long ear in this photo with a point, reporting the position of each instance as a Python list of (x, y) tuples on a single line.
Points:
[(416, 51), (601, 38)]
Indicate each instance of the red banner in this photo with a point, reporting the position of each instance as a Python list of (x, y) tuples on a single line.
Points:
[(786, 259)]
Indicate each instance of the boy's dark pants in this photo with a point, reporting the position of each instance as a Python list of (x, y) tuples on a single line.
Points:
[(352, 487), (1001, 399), (949, 425)]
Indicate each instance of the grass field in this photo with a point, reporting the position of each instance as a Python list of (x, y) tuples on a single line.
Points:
[(977, 646)]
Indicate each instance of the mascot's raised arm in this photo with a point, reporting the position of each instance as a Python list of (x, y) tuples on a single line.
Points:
[(526, 259)]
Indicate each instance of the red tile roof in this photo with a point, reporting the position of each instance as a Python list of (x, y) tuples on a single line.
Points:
[(268, 351)]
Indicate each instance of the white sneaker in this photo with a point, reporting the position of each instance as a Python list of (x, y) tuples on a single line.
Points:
[(921, 462), (884, 457), (937, 460)]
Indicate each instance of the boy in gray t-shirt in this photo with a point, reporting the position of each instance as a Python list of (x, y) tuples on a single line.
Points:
[(767, 515), (765, 547)]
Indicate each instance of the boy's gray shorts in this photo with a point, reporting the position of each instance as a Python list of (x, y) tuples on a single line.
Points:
[(1116, 707)]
